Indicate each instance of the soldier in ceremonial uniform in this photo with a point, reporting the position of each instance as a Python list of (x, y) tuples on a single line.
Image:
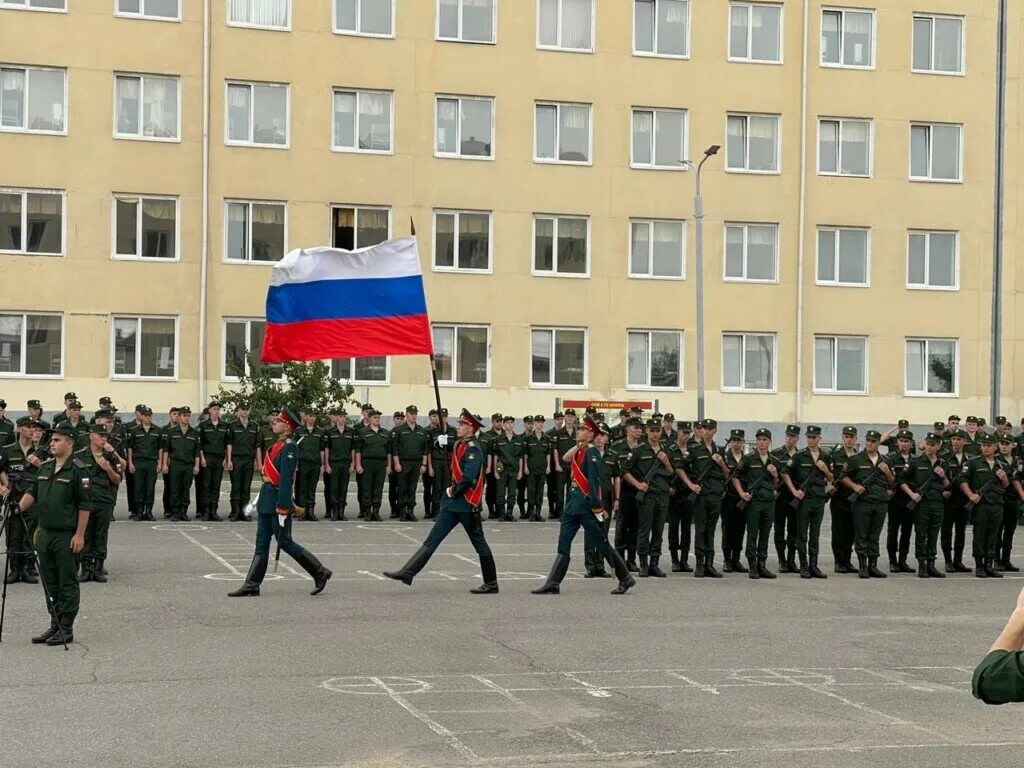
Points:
[(460, 506), (312, 451), (181, 462), (734, 519), (954, 518), (984, 482), (275, 507), (593, 546), (341, 444), (901, 520), (923, 483), (214, 447), (785, 515), (680, 511), (705, 475), (649, 469), (105, 473), (409, 452), (755, 478), (868, 476), (144, 461), (537, 457), (373, 462), (506, 461), (442, 440), (585, 509), (16, 472), (807, 475), (243, 458)]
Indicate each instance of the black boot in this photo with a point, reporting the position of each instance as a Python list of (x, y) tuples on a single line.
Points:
[(959, 567), (375, 515), (949, 566), (816, 572), (894, 565), (684, 561), (644, 568), (183, 514), (626, 581), (805, 572), (65, 631), (47, 633), (29, 575), (727, 562), (862, 571), (709, 569), (979, 568), (991, 572), (310, 564), (362, 512), (934, 572), (654, 570), (676, 567), (873, 570), (922, 569), (738, 566), (762, 569), (752, 571), (783, 563), (558, 571), (341, 513), (410, 516), (86, 573), (149, 514), (212, 516), (791, 561), (631, 562), (489, 572), (904, 568), (257, 570), (99, 573), (311, 513), (1007, 565), (411, 568), (698, 572)]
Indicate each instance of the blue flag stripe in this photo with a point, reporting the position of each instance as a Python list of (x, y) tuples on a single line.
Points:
[(346, 299)]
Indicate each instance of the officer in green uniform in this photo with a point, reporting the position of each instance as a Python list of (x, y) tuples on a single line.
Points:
[(69, 397), (524, 478), (214, 446), (144, 461), (409, 454), (785, 515), (16, 472), (564, 440), (507, 467), (1012, 501), (243, 458), (73, 418), (373, 462), (105, 474), (754, 479), (680, 511), (999, 678), (6, 425), (806, 476), (923, 484), (61, 494), (868, 477), (182, 462), (734, 519), (442, 441), (839, 503), (537, 457), (364, 423), (394, 506), (954, 519), (35, 410), (124, 432), (433, 422), (490, 481), (901, 520), (706, 474), (164, 471), (312, 449), (972, 438), (555, 475), (984, 482), (341, 439), (627, 516), (649, 469)]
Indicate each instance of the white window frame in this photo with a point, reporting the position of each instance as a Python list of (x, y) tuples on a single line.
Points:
[(778, 143), (842, 42), (841, 122), (358, 93), (650, 226), (252, 108), (956, 367), (138, 348), (654, 54), (24, 192), (682, 360), (748, 4), (138, 227), (558, 132), (24, 331), (653, 165), (26, 68), (833, 391), (250, 261), (25, 6), (533, 247), (553, 330), (249, 25), (141, 77), (457, 212), (356, 208), (455, 351), (743, 356), (224, 376), (437, 26), (558, 31), (931, 143), (927, 233), (143, 15), (364, 382), (746, 248), (963, 44), (458, 125), (356, 32), (836, 231)]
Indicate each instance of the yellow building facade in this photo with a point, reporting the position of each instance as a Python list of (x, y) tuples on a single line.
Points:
[(158, 155)]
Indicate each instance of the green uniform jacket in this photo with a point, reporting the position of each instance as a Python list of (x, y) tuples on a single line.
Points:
[(507, 450), (340, 445), (373, 445), (713, 482), (859, 469), (60, 494), (104, 492), (409, 443), (14, 463), (6, 431), (145, 446), (81, 430), (753, 471), (214, 439), (562, 441), (899, 464), (244, 439), (803, 466), (999, 678), (639, 463), (978, 474), (919, 471), (536, 450), (311, 442), (437, 452), (182, 447), (679, 457)]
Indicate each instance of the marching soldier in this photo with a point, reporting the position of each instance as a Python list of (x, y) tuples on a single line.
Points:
[(373, 462), (868, 476), (754, 479), (706, 475), (839, 503), (984, 482), (954, 519), (649, 469), (1011, 503), (807, 475), (105, 474), (785, 515), (594, 546), (341, 443), (181, 462), (16, 472), (144, 461), (924, 482), (214, 450), (442, 440), (537, 458), (901, 520), (506, 460), (627, 520), (163, 467), (409, 449), (312, 451), (734, 519), (394, 484), (244, 456), (680, 511)]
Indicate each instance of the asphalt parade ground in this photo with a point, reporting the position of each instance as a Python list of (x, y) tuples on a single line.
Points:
[(168, 671)]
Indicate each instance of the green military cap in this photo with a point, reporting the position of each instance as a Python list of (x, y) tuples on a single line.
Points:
[(737, 434), (144, 410), (762, 432), (97, 429), (791, 430), (987, 439), (104, 415), (34, 404), (591, 410), (654, 423), (411, 409), (685, 426), (506, 417), (570, 411), (634, 422), (669, 417), (375, 412), (933, 437), (74, 405), (432, 412), (636, 409), (26, 421), (1005, 440), (873, 434), (65, 430), (539, 418), (603, 429), (981, 421), (850, 430), (444, 411), (657, 416), (958, 433), (623, 412), (972, 419), (813, 430), (105, 400), (366, 407), (709, 424), (396, 415), (185, 409), (904, 434), (953, 417), (495, 416), (902, 424), (139, 406), (215, 404), (557, 415), (70, 396), (939, 426), (1000, 420), (528, 419), (174, 409), (3, 403)]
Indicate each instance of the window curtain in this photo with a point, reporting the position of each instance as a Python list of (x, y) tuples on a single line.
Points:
[(548, 22), (264, 13), (238, 96), (160, 107), (576, 23), (268, 214), (128, 104), (857, 31)]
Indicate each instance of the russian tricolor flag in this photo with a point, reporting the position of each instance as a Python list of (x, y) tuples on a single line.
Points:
[(325, 303)]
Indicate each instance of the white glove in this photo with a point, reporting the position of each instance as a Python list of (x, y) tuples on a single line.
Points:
[(442, 440)]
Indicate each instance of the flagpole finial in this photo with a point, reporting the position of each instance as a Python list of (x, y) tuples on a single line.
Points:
[(412, 227)]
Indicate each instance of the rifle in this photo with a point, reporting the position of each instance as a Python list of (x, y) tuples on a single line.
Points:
[(795, 503), (741, 504), (867, 480), (700, 480), (648, 475), (970, 505), (912, 505)]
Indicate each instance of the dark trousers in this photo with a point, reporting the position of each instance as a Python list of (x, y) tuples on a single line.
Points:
[(577, 514), (505, 496), (144, 483), (129, 483), (97, 532), (181, 485), (408, 479), (241, 480), (760, 515), (986, 519), (457, 512), (734, 523), (306, 480), (212, 477), (785, 526), (954, 526), (627, 524), (428, 493), (595, 546), (521, 493), (868, 518), (535, 488), (269, 527), (554, 500), (927, 523), (490, 493), (1006, 530), (394, 494), (901, 522), (680, 521), (706, 511), (842, 527), (808, 525), (336, 484), (19, 530), (58, 567), (166, 494), (652, 513), (374, 472)]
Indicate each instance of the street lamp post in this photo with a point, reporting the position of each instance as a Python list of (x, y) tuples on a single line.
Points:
[(698, 217)]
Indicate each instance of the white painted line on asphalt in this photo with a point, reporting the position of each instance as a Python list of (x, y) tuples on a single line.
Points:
[(446, 576), (463, 558), (914, 687), (377, 576), (211, 553), (594, 690), (453, 741), (694, 683)]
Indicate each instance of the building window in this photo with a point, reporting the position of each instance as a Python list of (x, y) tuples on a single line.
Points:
[(562, 133), (31, 345), (847, 38), (33, 99), (362, 370), (462, 241), (840, 364), (263, 14), (254, 231), (257, 114), (242, 337), (467, 21), (935, 152), (355, 227), (146, 107), (374, 18), (755, 32), (752, 143), (145, 347), (933, 260), (654, 359), (657, 248), (751, 252), (567, 25), (362, 121), (35, 5), (561, 246), (844, 147), (938, 44), (145, 227), (748, 361), (465, 126), (462, 354), (932, 367), (558, 357), (163, 10), (843, 256), (659, 138), (661, 28), (32, 222)]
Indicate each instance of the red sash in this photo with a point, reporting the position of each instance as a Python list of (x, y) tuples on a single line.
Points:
[(270, 470), (476, 494), (578, 475)]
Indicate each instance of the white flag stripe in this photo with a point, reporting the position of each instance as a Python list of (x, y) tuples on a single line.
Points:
[(394, 258)]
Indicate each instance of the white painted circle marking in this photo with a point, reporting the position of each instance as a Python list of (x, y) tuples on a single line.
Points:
[(179, 527), (365, 686)]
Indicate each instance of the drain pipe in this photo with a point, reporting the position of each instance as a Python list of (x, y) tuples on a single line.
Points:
[(801, 221), (204, 246), (997, 230)]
